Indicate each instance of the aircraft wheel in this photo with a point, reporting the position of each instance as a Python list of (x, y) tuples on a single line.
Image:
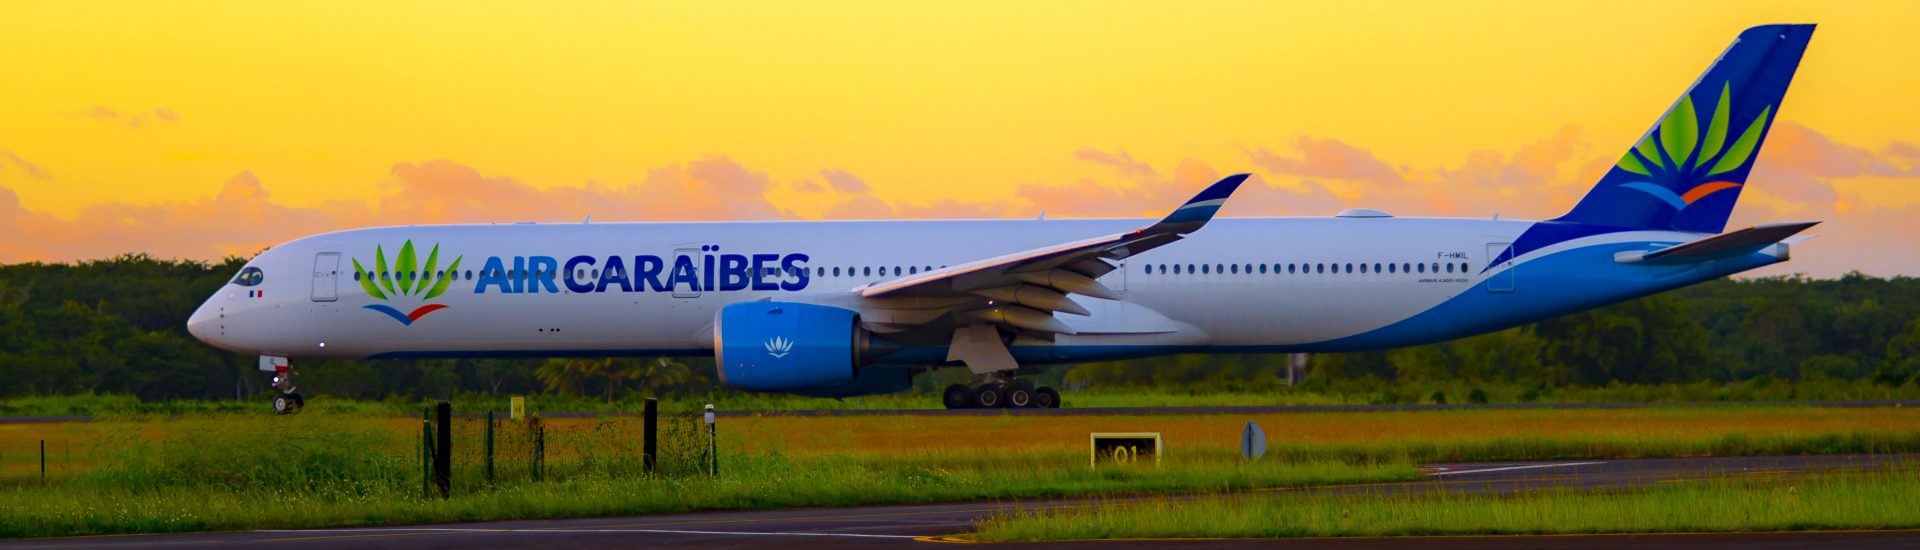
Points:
[(287, 403), (990, 396), (1020, 396), (957, 396), (1046, 398)]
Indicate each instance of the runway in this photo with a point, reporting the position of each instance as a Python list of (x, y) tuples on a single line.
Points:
[(911, 525)]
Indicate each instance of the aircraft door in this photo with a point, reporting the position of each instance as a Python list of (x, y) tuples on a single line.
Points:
[(326, 277), (682, 288), (1502, 275)]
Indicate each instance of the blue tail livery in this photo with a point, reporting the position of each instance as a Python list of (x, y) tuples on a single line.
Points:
[(1687, 171)]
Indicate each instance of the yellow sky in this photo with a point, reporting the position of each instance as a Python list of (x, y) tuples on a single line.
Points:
[(925, 101)]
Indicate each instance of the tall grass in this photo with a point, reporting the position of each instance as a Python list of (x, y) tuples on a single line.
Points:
[(223, 471), (1859, 500)]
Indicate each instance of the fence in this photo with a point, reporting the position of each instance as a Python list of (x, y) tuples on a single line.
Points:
[(38, 461), (488, 450), (349, 454)]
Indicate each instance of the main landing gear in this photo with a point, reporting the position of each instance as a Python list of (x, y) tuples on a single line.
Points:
[(287, 399), (998, 393)]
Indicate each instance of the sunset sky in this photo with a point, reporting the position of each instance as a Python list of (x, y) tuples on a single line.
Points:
[(206, 129)]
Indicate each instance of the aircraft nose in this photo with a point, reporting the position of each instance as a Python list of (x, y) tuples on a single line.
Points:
[(204, 324)]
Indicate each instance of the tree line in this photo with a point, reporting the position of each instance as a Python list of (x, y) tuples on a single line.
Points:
[(118, 326)]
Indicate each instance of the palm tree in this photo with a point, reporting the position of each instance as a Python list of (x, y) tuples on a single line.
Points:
[(563, 375)]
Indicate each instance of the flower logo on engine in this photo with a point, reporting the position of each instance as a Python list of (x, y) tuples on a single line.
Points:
[(779, 347)]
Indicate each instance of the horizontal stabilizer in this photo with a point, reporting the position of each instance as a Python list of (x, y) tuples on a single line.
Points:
[(1719, 246)]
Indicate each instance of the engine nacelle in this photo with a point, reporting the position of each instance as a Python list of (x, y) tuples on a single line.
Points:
[(787, 346)]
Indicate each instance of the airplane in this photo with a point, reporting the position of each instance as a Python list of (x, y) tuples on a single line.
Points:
[(845, 308)]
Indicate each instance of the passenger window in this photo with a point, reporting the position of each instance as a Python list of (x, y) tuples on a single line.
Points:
[(1176, 269), (356, 275), (1363, 268), (1349, 268), (1218, 268), (1236, 269), (1406, 268), (866, 272), (1263, 269), (1423, 268), (1190, 269), (1204, 270), (1390, 269), (1463, 267)]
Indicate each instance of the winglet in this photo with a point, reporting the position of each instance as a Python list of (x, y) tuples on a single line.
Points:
[(1196, 211)]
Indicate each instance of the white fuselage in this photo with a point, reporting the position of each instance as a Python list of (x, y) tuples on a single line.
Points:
[(1289, 284)]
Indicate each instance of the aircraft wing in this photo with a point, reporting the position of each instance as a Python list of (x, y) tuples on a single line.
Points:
[(1022, 290), (1722, 245)]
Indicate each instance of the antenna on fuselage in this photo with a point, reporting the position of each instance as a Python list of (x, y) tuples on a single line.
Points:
[(588, 220)]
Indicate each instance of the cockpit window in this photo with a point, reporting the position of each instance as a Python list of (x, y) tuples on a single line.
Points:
[(249, 277)]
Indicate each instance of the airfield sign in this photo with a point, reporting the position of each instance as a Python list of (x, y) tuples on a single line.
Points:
[(1125, 448)]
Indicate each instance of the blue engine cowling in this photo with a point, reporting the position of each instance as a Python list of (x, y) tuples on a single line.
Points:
[(787, 346)]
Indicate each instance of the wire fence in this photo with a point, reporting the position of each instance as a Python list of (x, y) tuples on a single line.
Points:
[(489, 450), (32, 462), (485, 450)]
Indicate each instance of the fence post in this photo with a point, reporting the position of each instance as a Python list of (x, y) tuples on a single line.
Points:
[(539, 447), (43, 462), (489, 447), (650, 441), (443, 451), (713, 444), (426, 452)]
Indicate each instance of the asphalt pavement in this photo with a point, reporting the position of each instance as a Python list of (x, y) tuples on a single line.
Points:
[(909, 525)]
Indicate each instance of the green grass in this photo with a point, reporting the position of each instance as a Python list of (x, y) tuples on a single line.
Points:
[(249, 471), (1869, 500)]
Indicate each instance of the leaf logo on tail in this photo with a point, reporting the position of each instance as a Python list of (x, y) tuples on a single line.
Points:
[(1681, 164), (407, 281)]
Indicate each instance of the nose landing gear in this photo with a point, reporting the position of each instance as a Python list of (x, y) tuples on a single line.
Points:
[(994, 392), (287, 399)]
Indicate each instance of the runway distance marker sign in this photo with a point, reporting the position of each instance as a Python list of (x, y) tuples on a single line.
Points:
[(1124, 448)]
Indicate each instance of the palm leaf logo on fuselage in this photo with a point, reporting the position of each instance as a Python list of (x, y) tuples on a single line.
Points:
[(407, 281), (1678, 157)]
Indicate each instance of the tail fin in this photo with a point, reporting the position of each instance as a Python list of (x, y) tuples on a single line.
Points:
[(1687, 171)]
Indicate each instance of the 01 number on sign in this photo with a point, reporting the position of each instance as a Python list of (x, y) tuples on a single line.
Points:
[(1125, 448)]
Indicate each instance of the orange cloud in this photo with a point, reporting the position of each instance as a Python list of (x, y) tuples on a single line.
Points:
[(1801, 170), (30, 169), (133, 120)]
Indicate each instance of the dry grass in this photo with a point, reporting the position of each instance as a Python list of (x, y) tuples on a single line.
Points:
[(1392, 435), (1417, 434)]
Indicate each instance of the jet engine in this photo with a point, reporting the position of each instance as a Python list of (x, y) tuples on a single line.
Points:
[(789, 347)]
